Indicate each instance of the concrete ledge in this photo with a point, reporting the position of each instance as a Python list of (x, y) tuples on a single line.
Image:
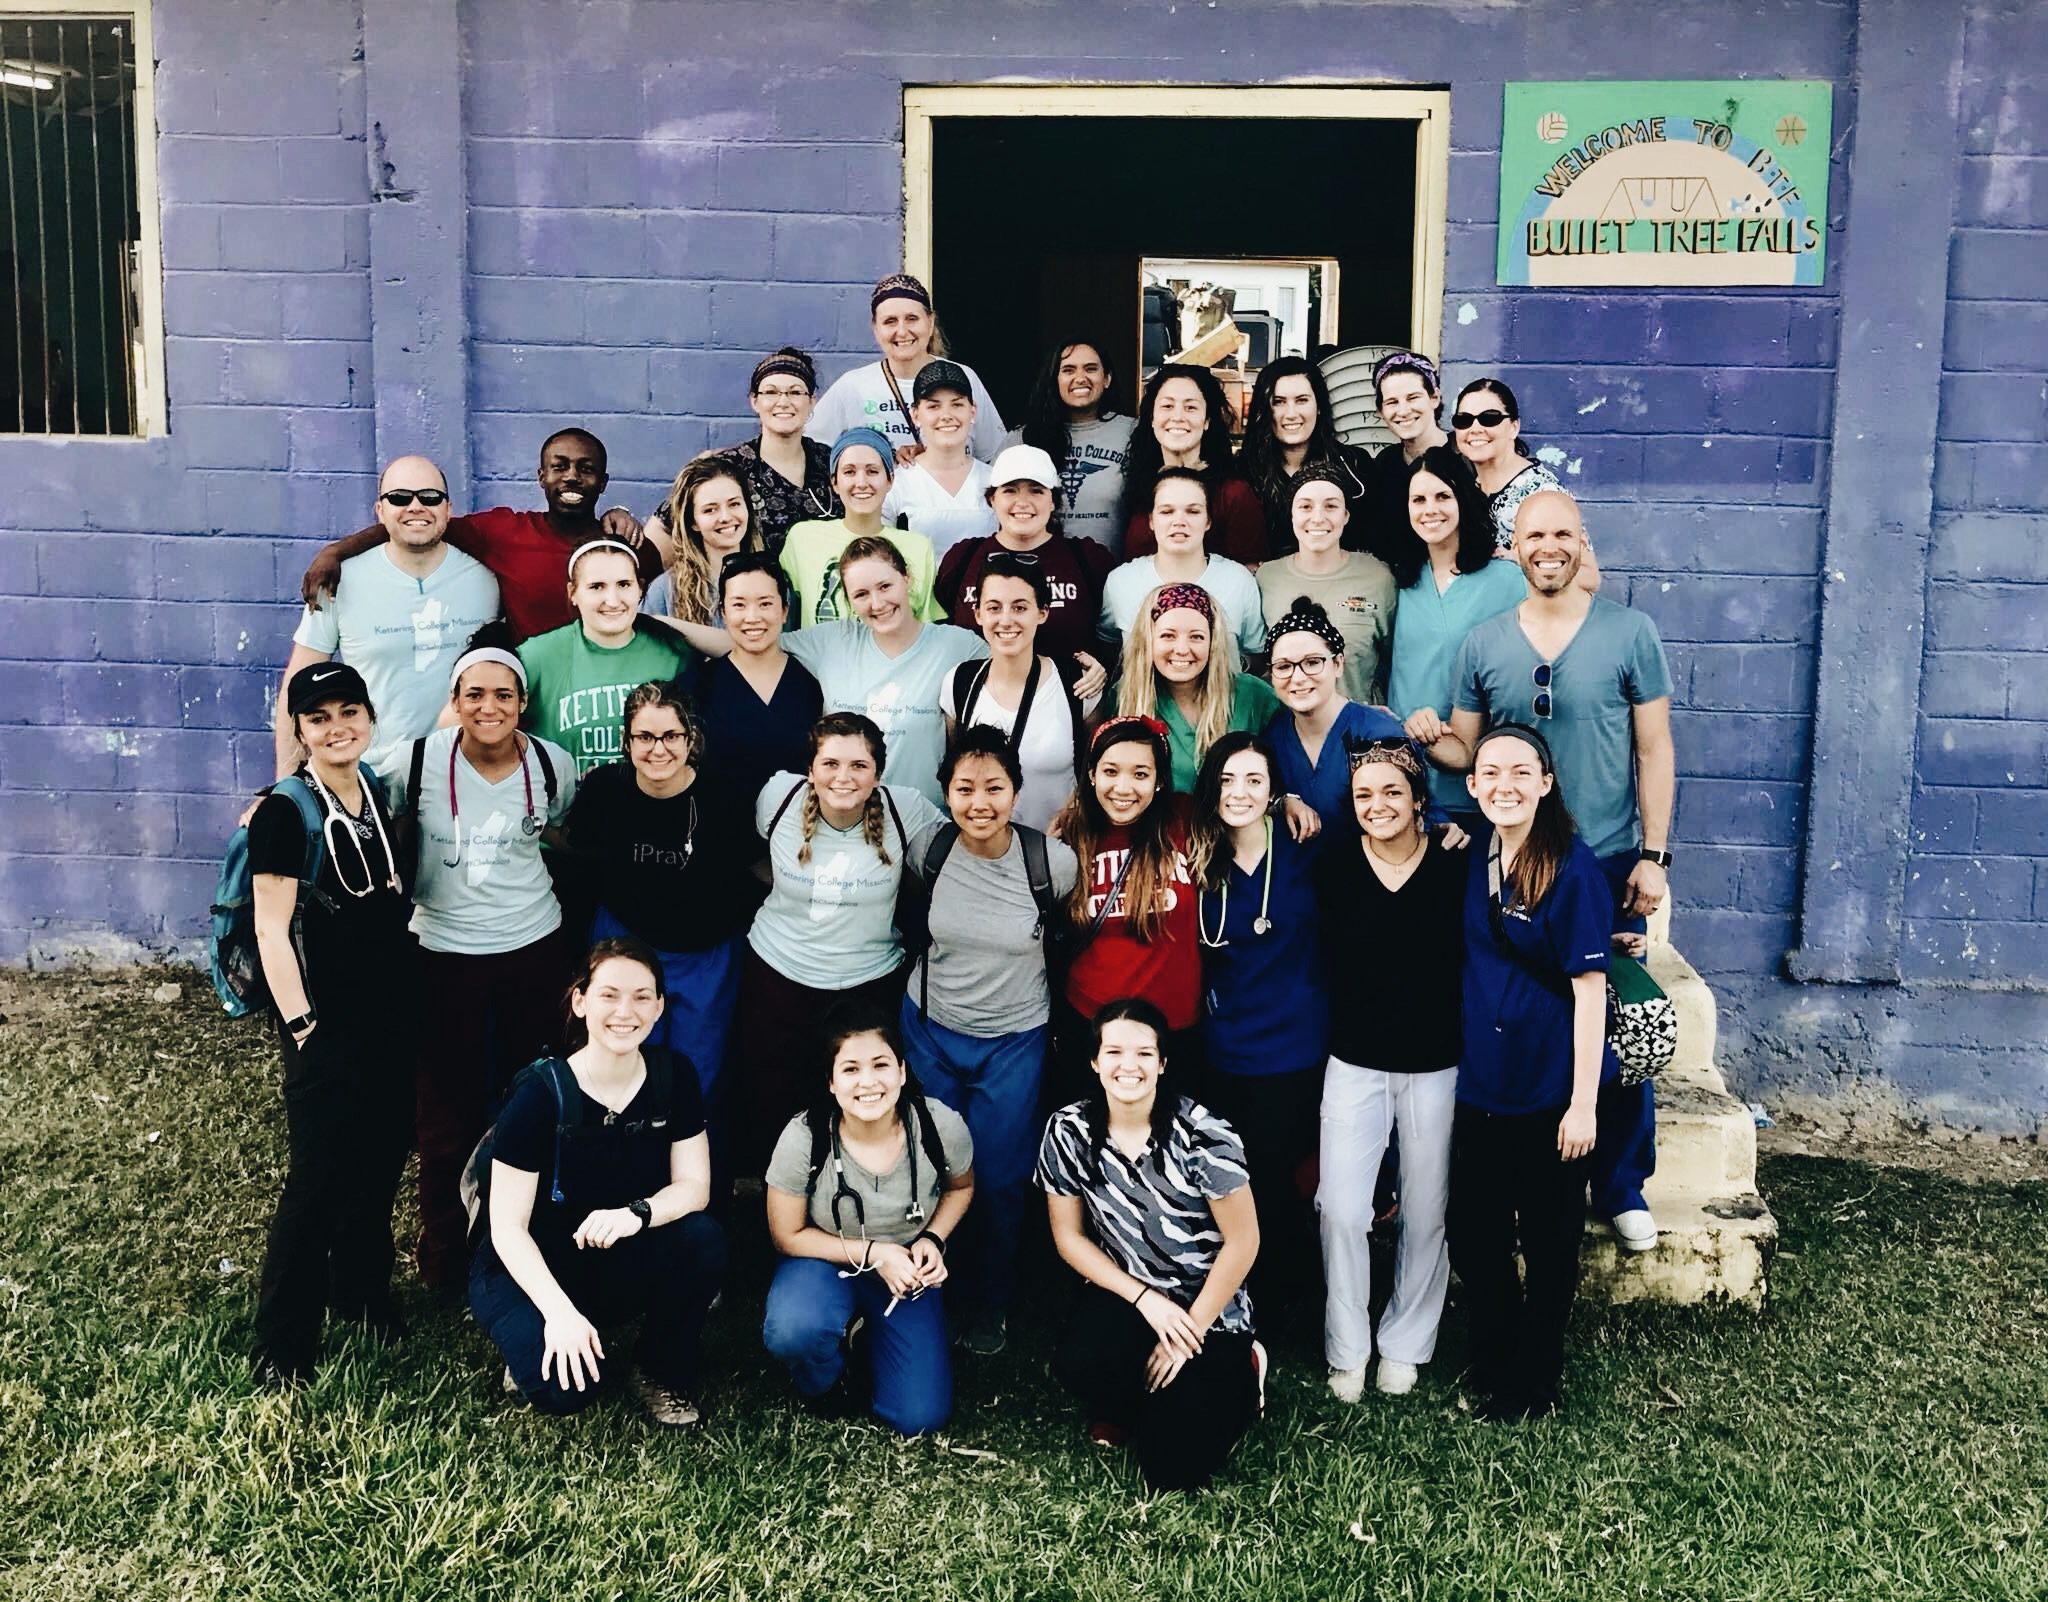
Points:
[(1710, 1250)]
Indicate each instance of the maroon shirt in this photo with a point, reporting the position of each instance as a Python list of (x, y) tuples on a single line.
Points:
[(1237, 526), (530, 561), (1075, 568)]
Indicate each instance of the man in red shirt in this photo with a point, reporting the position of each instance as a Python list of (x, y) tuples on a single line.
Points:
[(527, 552)]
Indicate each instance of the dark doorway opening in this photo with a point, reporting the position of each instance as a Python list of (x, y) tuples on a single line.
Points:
[(1039, 224)]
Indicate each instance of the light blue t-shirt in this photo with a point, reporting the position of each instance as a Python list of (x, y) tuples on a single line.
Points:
[(402, 634), (901, 693), (1429, 626), (830, 923), (1230, 585), (493, 894), (1614, 664)]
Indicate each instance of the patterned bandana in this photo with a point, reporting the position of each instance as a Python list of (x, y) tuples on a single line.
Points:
[(790, 364), (1126, 728), (1406, 361), (1316, 622), (1398, 753), (1173, 597), (899, 286)]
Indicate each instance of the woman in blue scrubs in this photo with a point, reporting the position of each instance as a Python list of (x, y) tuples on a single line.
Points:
[(1307, 653)]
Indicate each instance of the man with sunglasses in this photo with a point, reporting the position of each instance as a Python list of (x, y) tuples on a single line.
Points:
[(403, 613), (1590, 675)]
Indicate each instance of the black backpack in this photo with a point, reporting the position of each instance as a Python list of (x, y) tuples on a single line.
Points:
[(971, 677), (917, 943), (405, 823)]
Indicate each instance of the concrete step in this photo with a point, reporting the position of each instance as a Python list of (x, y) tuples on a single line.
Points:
[(1706, 1143), (1711, 1250)]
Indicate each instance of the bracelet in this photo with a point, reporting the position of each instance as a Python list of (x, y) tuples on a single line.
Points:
[(936, 1239), (1141, 1295)]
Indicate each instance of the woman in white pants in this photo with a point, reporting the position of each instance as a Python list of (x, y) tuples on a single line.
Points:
[(1391, 902)]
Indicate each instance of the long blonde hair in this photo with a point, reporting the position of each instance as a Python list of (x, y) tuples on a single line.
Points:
[(690, 570), (1143, 691)]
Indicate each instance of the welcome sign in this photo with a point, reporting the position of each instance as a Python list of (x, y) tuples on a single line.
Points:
[(1664, 183)]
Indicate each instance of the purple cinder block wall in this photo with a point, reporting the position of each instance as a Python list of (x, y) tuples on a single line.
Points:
[(637, 197)]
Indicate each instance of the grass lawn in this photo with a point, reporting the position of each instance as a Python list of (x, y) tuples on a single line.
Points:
[(1878, 1433)]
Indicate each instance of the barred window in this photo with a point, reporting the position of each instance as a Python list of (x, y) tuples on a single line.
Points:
[(78, 343)]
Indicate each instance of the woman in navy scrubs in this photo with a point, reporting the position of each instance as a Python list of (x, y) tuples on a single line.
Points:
[(1535, 1056), (1265, 1027), (1306, 650)]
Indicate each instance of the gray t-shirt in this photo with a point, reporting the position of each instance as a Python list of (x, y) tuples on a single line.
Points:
[(1359, 597), (1092, 478), (884, 1198), (1614, 664), (987, 964)]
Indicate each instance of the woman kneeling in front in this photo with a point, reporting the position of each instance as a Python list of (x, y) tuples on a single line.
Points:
[(1151, 1205), (865, 1189), (599, 1171)]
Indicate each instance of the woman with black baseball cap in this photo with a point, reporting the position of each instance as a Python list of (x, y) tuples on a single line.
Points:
[(331, 931), (878, 394)]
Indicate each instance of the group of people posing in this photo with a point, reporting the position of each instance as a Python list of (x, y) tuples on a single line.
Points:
[(914, 813)]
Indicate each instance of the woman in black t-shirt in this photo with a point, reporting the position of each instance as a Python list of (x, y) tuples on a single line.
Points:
[(336, 959), (599, 1172), (1390, 901)]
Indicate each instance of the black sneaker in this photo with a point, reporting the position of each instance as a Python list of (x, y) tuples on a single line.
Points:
[(982, 1330)]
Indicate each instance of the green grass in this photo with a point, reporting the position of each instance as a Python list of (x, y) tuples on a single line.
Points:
[(1876, 1434)]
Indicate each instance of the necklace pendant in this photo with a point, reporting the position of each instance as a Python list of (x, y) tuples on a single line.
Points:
[(1262, 925)]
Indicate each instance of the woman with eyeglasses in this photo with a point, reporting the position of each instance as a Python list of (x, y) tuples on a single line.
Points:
[(1538, 912), (865, 1190), (1306, 651), (1025, 697), (1287, 426), (1450, 584), (1023, 485), (878, 394), (324, 944), (1391, 904), (1180, 520), (977, 1010), (862, 469), (1265, 1010), (712, 511), (1488, 427), (1184, 422), (1354, 588), (594, 1207), (1409, 394), (1151, 1204), (1073, 417), (756, 701), (788, 477), (1180, 666), (492, 952), (838, 846), (1131, 917), (669, 841)]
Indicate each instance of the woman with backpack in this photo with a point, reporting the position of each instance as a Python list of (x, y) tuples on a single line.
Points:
[(324, 942), (977, 1011), (1026, 697), (1151, 1205), (593, 1212), (864, 1191)]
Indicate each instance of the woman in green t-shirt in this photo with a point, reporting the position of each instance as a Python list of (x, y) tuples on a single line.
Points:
[(1180, 668)]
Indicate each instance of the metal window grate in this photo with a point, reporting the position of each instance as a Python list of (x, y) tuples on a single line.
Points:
[(70, 291)]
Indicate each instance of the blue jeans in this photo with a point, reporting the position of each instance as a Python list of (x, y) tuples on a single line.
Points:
[(809, 1307), (669, 1274), (993, 1084), (1625, 1134)]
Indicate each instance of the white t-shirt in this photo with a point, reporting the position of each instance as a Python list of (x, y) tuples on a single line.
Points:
[(1047, 752), (1230, 585), (944, 519), (861, 399)]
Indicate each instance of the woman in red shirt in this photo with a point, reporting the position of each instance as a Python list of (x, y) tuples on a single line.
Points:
[(1133, 905)]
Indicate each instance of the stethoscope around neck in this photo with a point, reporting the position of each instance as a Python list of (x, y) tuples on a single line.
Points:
[(529, 824), (334, 812), (843, 1192), (1262, 924)]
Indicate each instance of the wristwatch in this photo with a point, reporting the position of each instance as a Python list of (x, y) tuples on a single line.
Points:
[(305, 1020), (1661, 858), (643, 1211)]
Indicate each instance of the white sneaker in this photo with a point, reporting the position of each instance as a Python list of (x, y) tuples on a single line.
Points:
[(1394, 1378), (507, 1383), (1347, 1384), (1260, 1364), (1636, 1230)]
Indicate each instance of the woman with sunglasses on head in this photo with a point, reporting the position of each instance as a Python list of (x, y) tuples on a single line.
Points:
[(977, 1011), (1151, 1204), (1409, 394), (1391, 901), (1180, 519), (1307, 656), (324, 946), (1131, 917), (594, 1208), (864, 1192), (1184, 422), (1287, 426), (1265, 1011), (878, 393), (1538, 912), (757, 703), (1023, 485), (1073, 416), (492, 952), (862, 470), (1180, 666), (788, 476), (838, 847), (1025, 697), (1355, 589), (711, 509), (1450, 584), (1487, 425), (669, 842)]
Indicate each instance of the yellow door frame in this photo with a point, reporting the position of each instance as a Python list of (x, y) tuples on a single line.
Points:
[(1428, 109)]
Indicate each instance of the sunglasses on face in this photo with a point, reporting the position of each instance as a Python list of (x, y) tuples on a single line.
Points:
[(1540, 703), (1492, 417), (403, 498)]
